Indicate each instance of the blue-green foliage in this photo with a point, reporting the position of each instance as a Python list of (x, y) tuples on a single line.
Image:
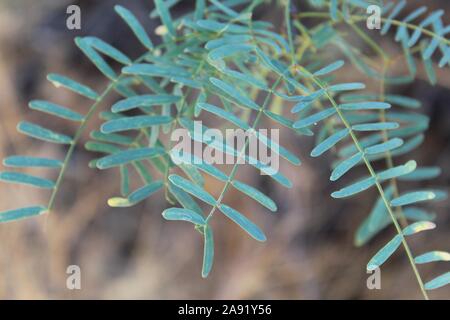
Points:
[(218, 61)]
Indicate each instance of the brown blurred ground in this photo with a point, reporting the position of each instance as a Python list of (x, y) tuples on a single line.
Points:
[(133, 253)]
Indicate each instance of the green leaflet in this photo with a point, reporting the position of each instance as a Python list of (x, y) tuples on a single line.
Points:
[(329, 69), (252, 229), (418, 214), (199, 163), (96, 59), (413, 197), (164, 15), (246, 78), (108, 115), (228, 50), (111, 138), (369, 105), (334, 10), (432, 256), (187, 82), (193, 189), (256, 195), (381, 256), (286, 154), (134, 123), (354, 188), (201, 135), (184, 198), (385, 146), (208, 251), (145, 191), (107, 49), (346, 87), (225, 9), (146, 69), (183, 215), (135, 26), (146, 100), (330, 142), (418, 227), (323, 35), (215, 26), (287, 123), (22, 213), (403, 101), (61, 81), (128, 156), (22, 178), (346, 165), (270, 43), (199, 9), (40, 133), (267, 170), (124, 87), (25, 162), (224, 115), (101, 147), (438, 282), (313, 119), (169, 3), (56, 110), (124, 181), (193, 173), (119, 202), (409, 145), (279, 118), (136, 196), (226, 40), (233, 93), (303, 106), (398, 171), (395, 11), (375, 223), (422, 173), (375, 126), (379, 214)]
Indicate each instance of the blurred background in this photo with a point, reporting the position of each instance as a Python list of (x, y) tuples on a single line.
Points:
[(133, 253)]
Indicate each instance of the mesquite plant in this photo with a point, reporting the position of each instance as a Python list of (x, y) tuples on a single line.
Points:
[(218, 60)]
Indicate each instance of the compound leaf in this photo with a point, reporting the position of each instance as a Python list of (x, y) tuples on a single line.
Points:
[(183, 215)]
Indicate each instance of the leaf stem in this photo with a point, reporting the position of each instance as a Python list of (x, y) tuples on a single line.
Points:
[(325, 15), (236, 166), (78, 134), (374, 175)]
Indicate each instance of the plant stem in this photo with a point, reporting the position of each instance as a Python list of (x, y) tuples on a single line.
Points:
[(377, 183), (78, 134), (325, 15), (242, 151)]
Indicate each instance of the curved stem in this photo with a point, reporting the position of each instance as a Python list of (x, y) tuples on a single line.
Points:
[(373, 175), (236, 165), (325, 15)]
